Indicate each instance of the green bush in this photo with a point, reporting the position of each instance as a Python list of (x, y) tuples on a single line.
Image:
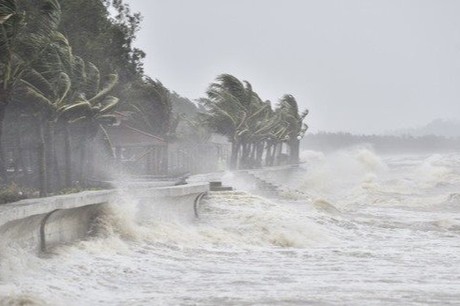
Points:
[(76, 190), (13, 193)]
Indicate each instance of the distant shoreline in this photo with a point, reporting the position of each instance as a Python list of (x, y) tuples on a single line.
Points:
[(328, 142)]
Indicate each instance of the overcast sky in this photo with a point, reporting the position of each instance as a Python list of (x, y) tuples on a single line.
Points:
[(358, 65)]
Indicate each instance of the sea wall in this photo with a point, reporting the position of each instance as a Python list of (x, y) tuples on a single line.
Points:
[(269, 181), (40, 224)]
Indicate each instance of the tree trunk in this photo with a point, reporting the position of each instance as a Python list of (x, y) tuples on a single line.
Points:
[(245, 155), (32, 162), (42, 175), (83, 161), (67, 156), (4, 99), (274, 154), (259, 152), (49, 147), (234, 155), (279, 156), (20, 157), (252, 155), (294, 148), (57, 169), (90, 162), (165, 159), (268, 154)]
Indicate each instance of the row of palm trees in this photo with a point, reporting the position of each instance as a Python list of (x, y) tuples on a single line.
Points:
[(49, 86), (256, 130)]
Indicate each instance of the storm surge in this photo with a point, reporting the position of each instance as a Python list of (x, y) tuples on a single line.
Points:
[(349, 228)]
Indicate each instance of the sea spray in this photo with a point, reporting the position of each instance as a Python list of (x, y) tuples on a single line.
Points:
[(12, 299), (119, 218), (431, 173), (247, 220), (378, 236), (15, 264), (335, 176)]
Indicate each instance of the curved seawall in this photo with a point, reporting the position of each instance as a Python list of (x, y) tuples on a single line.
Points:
[(40, 224)]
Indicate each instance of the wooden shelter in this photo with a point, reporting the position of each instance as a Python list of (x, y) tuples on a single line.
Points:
[(138, 152)]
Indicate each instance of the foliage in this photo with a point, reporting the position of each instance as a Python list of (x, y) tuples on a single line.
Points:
[(48, 82), (102, 39), (233, 109), (183, 106), (76, 190), (14, 193), (70, 66), (150, 102)]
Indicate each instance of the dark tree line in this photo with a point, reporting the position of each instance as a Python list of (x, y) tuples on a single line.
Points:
[(69, 67), (66, 67)]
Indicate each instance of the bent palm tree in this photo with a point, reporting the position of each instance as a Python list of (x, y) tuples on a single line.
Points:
[(152, 108), (92, 114), (47, 96), (230, 104), (10, 24), (21, 45), (295, 128), (47, 84)]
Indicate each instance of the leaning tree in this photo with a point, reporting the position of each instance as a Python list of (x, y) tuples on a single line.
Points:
[(294, 127), (22, 44), (92, 110), (230, 104)]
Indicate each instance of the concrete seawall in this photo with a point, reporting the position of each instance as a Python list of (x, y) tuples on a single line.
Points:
[(40, 224), (268, 181)]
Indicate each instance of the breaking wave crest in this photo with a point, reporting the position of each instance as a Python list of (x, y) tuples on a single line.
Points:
[(360, 177), (22, 300), (355, 208), (245, 220), (230, 220)]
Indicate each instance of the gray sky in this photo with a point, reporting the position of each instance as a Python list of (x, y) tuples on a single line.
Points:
[(359, 65)]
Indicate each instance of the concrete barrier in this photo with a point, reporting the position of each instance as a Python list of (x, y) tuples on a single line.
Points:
[(40, 224), (174, 203)]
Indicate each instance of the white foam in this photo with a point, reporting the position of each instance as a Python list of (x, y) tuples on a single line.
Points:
[(379, 229)]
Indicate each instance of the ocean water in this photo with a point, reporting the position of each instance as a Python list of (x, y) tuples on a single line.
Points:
[(351, 228)]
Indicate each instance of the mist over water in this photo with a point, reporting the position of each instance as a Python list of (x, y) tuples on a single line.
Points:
[(363, 230)]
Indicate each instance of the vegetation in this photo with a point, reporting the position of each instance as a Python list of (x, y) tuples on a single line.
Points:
[(68, 69), (255, 129), (62, 96), (13, 193)]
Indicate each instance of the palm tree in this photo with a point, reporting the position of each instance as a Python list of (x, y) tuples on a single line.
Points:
[(47, 96), (152, 106), (92, 113), (85, 82), (295, 128), (261, 127), (46, 82), (230, 105), (21, 45), (60, 99), (10, 24)]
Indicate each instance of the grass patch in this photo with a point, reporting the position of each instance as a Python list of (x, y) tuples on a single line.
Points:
[(76, 190), (14, 193)]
